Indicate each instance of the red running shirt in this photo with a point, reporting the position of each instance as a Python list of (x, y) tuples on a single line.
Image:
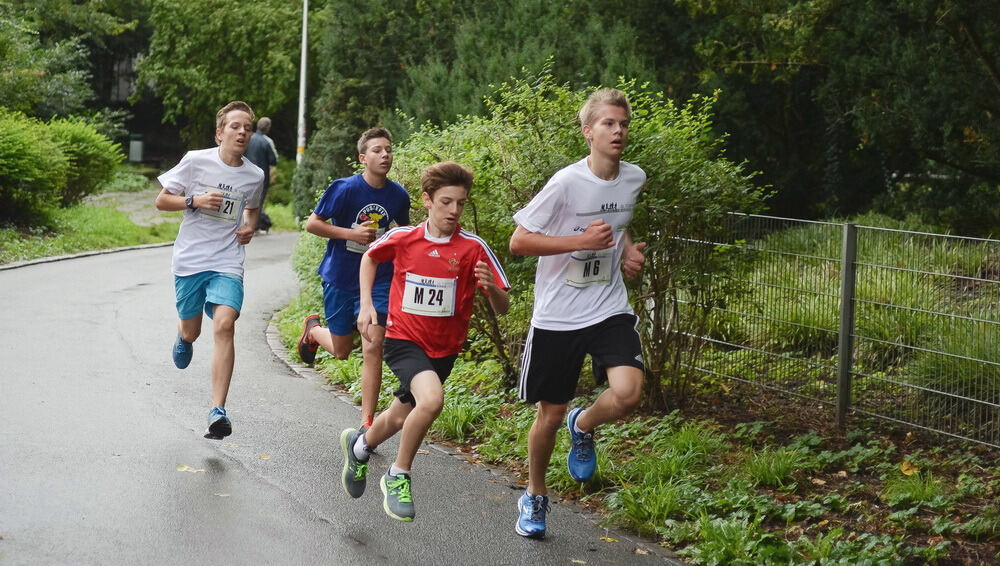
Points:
[(433, 286)]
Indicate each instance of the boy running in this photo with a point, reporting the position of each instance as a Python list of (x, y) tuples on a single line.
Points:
[(438, 268), (352, 213), (219, 191), (577, 226)]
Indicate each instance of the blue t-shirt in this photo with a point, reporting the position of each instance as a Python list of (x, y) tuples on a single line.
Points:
[(351, 201)]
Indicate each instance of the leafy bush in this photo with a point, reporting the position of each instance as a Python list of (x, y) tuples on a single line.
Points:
[(33, 170), (91, 156)]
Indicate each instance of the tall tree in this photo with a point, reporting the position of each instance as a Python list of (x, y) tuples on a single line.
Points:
[(204, 54)]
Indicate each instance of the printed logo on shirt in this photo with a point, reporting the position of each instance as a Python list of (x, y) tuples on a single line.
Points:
[(434, 253), (453, 262), (373, 212), (608, 208)]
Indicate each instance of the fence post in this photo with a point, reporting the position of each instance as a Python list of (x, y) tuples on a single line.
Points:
[(848, 273)]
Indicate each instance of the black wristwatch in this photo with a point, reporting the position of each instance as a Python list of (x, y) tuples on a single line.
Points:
[(190, 202)]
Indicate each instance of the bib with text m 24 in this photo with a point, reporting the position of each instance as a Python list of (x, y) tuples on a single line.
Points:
[(429, 296), (590, 267)]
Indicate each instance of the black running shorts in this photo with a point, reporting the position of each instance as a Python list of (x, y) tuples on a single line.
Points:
[(406, 360), (552, 359)]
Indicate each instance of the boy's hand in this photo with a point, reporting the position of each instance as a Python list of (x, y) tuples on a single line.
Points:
[(597, 236), (245, 233), (210, 201), (634, 260), (484, 276), (367, 316), (364, 233)]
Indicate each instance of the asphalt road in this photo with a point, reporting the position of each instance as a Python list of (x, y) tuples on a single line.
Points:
[(102, 459)]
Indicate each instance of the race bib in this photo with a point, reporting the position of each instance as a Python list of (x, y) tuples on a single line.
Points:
[(429, 296), (357, 248), (590, 267), (232, 204)]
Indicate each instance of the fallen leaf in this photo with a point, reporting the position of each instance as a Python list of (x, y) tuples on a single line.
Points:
[(222, 494), (842, 474), (910, 437), (575, 561), (823, 523), (265, 456), (817, 481), (907, 468), (641, 551), (185, 468), (422, 452), (609, 539)]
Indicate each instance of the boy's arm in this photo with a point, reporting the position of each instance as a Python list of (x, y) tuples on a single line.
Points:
[(633, 258), (367, 315), (168, 201), (597, 236), (498, 297), (363, 234), (249, 227)]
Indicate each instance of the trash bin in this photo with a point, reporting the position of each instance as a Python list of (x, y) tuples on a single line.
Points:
[(135, 148)]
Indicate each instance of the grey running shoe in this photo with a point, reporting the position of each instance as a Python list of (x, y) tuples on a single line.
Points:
[(398, 502), (355, 476)]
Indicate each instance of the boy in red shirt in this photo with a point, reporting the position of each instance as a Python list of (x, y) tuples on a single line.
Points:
[(438, 267)]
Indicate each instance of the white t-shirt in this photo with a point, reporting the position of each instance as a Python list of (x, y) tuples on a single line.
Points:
[(579, 289), (207, 238)]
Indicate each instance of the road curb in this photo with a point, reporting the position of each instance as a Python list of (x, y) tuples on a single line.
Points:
[(303, 371), (50, 259)]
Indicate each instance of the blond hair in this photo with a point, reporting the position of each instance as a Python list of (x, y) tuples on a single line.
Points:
[(220, 116), (599, 98)]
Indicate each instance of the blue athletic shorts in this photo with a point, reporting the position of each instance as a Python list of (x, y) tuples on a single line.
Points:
[(205, 290), (342, 307)]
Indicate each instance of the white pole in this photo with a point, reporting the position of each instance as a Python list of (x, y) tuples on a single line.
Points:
[(302, 85)]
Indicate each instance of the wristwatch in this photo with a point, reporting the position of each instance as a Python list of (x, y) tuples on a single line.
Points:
[(189, 201)]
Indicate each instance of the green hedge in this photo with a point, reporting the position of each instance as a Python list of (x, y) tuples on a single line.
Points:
[(44, 167), (33, 169), (92, 158)]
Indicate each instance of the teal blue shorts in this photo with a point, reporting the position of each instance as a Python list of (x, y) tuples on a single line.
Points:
[(205, 290)]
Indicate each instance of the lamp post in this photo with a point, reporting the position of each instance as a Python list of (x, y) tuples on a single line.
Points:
[(301, 145)]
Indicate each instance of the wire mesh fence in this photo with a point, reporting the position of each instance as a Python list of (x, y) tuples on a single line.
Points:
[(896, 324)]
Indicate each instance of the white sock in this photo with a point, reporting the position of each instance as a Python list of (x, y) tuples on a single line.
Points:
[(359, 448), (577, 429), (395, 471)]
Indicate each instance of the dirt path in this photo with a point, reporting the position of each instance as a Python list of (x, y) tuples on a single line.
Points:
[(137, 204)]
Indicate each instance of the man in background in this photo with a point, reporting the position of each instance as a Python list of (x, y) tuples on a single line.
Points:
[(262, 153)]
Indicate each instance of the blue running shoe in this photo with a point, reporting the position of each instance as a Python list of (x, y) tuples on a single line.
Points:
[(182, 353), (219, 425), (581, 460), (531, 515)]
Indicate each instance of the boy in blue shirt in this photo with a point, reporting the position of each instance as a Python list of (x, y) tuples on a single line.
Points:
[(351, 214)]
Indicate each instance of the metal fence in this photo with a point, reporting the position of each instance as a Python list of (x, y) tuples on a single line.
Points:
[(896, 324)]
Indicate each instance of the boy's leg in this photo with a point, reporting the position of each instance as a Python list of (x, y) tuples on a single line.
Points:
[(388, 423), (224, 353), (617, 401), (541, 442), (189, 329), (338, 345), (371, 373), (428, 392)]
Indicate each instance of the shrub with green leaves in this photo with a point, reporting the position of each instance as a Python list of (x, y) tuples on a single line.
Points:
[(92, 157), (33, 170)]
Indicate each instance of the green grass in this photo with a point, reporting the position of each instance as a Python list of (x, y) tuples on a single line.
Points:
[(79, 229)]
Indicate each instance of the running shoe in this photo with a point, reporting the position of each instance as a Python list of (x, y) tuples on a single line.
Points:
[(531, 515), (355, 475), (398, 502), (183, 350), (581, 460), (219, 425), (308, 346)]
